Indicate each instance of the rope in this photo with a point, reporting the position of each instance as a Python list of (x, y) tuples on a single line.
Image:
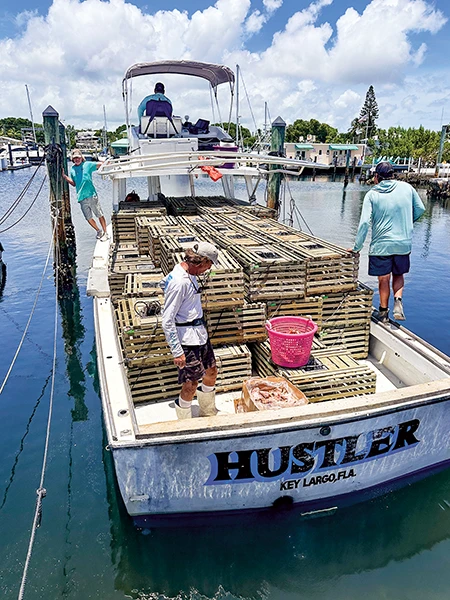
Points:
[(20, 197), (294, 208), (248, 100), (22, 443), (41, 491), (28, 209), (31, 313)]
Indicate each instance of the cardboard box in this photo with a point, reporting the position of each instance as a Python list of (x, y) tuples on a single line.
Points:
[(270, 385)]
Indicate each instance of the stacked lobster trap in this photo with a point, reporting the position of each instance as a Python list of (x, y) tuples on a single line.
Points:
[(265, 269)]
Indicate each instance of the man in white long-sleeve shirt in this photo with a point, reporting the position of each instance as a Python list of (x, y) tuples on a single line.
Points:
[(186, 333)]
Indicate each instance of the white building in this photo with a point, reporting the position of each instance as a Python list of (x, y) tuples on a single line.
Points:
[(328, 154)]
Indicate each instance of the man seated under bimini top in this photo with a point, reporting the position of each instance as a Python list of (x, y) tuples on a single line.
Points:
[(158, 96)]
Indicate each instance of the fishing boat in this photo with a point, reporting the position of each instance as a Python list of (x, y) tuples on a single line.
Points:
[(378, 396)]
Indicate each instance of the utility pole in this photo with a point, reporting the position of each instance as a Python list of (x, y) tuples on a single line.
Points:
[(64, 239), (276, 149)]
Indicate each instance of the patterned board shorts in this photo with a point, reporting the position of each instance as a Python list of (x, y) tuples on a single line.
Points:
[(198, 359), (91, 206)]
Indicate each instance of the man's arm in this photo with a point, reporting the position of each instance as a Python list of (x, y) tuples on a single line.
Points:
[(173, 298), (364, 223), (68, 179), (418, 207), (141, 109)]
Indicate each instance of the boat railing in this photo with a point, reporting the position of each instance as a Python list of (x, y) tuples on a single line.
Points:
[(189, 162)]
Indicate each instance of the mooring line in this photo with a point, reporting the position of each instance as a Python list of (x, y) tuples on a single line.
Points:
[(20, 197), (22, 443), (32, 310), (29, 208), (41, 491)]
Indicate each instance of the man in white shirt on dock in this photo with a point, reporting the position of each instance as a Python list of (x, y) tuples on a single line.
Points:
[(186, 333)]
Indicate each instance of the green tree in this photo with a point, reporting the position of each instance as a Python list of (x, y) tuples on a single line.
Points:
[(417, 143), (71, 133), (369, 113), (301, 128), (247, 138)]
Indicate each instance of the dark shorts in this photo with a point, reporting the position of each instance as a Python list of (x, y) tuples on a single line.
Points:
[(397, 264), (198, 359)]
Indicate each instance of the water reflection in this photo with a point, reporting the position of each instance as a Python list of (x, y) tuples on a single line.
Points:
[(2, 277), (279, 550)]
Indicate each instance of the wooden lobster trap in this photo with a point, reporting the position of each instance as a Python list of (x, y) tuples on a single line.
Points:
[(237, 325), (172, 245), (156, 232), (121, 266), (140, 331), (143, 223), (143, 284), (310, 307), (329, 375), (270, 273), (156, 383)]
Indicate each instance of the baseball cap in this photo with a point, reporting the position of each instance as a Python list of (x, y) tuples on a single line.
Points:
[(384, 169), (77, 152), (208, 251)]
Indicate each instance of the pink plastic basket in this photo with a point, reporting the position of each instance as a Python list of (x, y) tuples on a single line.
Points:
[(291, 340)]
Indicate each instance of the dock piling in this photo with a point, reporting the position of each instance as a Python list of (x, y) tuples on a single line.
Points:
[(276, 149), (64, 240)]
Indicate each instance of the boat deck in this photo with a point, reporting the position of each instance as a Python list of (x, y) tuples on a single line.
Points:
[(353, 361), (158, 412)]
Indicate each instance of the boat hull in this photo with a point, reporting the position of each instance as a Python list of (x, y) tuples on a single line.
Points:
[(318, 468)]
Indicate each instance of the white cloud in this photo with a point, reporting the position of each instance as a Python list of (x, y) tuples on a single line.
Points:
[(272, 5), (255, 22), (382, 31), (257, 19), (309, 69), (349, 99), (409, 102)]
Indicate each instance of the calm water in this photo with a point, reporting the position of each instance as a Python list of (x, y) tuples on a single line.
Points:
[(395, 547)]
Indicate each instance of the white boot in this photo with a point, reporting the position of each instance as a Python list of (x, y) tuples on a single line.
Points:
[(207, 403), (183, 413)]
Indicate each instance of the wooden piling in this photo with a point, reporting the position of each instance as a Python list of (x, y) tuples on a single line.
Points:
[(64, 238), (276, 149), (347, 165)]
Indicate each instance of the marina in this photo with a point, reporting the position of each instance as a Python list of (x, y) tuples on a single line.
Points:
[(314, 459), (87, 524)]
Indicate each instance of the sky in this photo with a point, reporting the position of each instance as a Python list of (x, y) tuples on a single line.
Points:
[(305, 59)]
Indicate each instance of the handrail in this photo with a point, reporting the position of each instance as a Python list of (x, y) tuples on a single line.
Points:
[(196, 159)]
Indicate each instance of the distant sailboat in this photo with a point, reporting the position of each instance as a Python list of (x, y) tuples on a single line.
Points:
[(104, 153)]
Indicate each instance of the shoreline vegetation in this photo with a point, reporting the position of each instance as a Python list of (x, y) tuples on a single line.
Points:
[(416, 143)]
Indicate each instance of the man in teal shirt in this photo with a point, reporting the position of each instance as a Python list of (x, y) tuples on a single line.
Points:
[(81, 179), (391, 207), (158, 95)]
